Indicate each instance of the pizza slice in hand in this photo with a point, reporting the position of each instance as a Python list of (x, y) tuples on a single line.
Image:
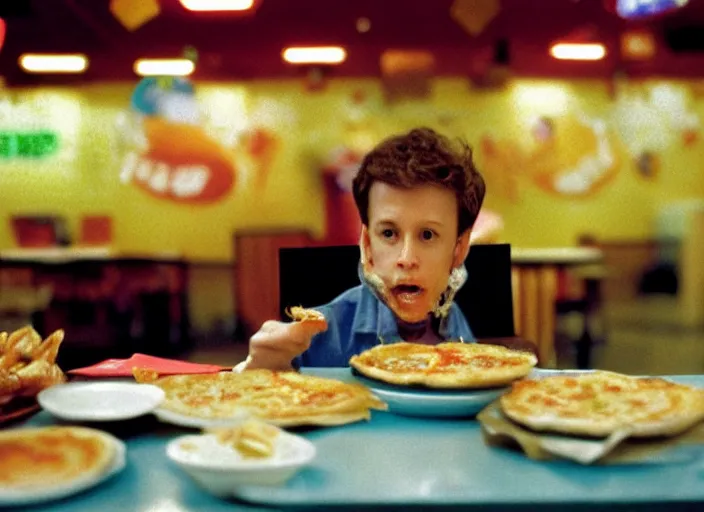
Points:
[(307, 316)]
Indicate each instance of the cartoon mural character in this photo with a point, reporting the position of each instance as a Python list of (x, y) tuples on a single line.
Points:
[(577, 161), (568, 156), (342, 221), (170, 156)]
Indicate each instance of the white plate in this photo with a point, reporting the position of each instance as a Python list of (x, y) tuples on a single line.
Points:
[(435, 403), (100, 401), (184, 420), (221, 470), (27, 497)]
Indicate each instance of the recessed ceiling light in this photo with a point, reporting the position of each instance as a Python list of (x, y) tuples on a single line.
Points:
[(314, 55), (164, 67), (217, 5), (53, 63), (578, 51)]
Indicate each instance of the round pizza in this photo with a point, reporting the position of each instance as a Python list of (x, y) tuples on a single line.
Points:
[(446, 365), (280, 398), (45, 457), (599, 403)]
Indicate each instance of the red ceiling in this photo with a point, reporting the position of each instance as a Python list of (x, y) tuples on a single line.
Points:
[(236, 46)]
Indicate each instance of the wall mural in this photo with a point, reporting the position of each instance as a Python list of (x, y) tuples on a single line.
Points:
[(575, 155), (651, 120), (169, 154), (272, 156), (569, 156)]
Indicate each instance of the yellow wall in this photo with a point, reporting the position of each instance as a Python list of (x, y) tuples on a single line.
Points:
[(84, 176)]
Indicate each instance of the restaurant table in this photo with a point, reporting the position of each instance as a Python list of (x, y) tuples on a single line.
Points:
[(110, 303), (395, 462)]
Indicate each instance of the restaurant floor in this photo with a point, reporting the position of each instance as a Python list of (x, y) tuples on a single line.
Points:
[(642, 337)]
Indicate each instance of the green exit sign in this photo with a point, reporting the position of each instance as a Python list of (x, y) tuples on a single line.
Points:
[(27, 144)]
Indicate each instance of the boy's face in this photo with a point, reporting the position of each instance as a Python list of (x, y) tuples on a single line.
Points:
[(411, 243)]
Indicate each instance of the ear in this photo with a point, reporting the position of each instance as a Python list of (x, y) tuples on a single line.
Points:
[(461, 248), (365, 249)]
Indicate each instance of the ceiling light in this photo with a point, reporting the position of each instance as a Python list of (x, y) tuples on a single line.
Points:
[(638, 45), (578, 51), (217, 5), (53, 63), (314, 55), (164, 67), (363, 25)]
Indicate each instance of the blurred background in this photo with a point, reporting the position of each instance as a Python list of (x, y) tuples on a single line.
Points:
[(155, 154)]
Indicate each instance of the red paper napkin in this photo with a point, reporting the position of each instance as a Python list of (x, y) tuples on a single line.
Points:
[(123, 367)]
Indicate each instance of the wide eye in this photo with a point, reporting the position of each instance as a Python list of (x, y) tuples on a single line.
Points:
[(387, 233), (427, 234)]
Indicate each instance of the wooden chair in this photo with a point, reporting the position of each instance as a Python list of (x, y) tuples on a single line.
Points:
[(312, 276)]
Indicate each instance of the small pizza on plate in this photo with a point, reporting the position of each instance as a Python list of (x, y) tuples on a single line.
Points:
[(279, 398), (446, 365), (306, 315), (599, 403), (45, 457)]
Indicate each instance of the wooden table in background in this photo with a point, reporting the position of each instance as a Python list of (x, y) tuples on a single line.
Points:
[(535, 290)]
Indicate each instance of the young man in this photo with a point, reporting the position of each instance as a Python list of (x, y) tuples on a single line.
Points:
[(418, 196)]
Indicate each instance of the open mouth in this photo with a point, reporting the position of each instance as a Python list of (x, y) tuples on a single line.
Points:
[(407, 292)]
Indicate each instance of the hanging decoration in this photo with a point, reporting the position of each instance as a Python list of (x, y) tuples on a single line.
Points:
[(474, 15), (132, 14)]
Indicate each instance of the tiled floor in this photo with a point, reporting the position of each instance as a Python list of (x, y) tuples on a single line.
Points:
[(643, 337)]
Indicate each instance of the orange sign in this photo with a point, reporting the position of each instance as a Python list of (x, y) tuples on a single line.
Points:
[(170, 155), (181, 164)]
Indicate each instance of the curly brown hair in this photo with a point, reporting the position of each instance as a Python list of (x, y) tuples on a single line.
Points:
[(422, 156)]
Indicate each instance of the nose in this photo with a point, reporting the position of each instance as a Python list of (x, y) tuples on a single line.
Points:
[(408, 258)]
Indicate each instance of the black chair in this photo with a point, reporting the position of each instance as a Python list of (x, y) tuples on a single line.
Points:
[(312, 276)]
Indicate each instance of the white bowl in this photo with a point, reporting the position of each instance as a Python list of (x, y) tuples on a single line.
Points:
[(221, 469), (100, 401)]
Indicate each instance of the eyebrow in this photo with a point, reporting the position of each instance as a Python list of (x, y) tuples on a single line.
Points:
[(425, 222)]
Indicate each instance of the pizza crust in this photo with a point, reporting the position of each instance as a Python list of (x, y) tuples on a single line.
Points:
[(600, 403), (446, 365)]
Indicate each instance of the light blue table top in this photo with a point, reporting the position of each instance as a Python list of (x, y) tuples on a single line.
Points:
[(394, 460)]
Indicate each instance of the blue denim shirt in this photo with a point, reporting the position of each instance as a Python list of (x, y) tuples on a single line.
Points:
[(357, 320)]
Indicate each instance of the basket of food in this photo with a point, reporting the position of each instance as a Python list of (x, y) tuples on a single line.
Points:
[(27, 366)]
